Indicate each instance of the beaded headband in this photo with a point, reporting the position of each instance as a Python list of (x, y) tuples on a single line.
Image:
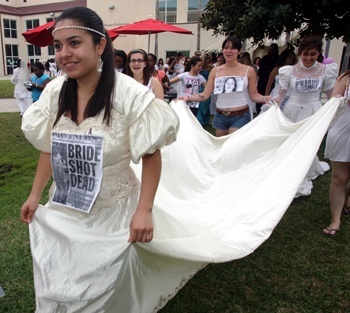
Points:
[(79, 27)]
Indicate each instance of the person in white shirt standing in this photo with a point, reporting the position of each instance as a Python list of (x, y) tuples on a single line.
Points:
[(23, 96), (189, 82)]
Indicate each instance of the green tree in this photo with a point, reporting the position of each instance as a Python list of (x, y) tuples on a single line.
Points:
[(260, 19)]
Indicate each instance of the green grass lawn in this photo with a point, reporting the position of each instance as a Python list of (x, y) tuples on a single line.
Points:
[(295, 270), (6, 89)]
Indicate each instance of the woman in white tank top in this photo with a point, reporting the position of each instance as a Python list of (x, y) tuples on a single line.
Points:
[(138, 68), (234, 83)]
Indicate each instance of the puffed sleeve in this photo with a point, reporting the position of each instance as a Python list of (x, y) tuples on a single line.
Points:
[(156, 127), (37, 121), (285, 73), (152, 123), (331, 73)]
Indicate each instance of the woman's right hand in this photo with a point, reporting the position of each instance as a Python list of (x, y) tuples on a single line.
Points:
[(28, 209)]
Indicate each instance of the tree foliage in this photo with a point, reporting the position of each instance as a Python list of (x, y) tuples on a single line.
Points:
[(261, 19)]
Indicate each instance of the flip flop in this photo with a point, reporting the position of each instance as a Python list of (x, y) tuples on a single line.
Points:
[(331, 232)]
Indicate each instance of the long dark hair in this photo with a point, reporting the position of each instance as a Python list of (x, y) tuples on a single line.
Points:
[(193, 62), (282, 58), (146, 71), (102, 97)]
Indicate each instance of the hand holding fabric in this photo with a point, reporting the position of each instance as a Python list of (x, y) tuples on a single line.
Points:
[(28, 208), (141, 226)]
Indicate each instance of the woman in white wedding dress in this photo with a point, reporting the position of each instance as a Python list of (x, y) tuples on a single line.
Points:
[(97, 121), (305, 82), (111, 248)]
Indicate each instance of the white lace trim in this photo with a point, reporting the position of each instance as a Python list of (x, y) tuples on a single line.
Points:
[(164, 299), (316, 70)]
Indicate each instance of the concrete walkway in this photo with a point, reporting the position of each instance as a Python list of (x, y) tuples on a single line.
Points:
[(8, 105)]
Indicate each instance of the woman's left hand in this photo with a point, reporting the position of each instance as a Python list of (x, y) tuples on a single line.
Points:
[(141, 226)]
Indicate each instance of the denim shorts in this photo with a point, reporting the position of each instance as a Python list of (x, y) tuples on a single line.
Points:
[(222, 122)]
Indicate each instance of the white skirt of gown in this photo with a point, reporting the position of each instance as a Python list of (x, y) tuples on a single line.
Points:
[(218, 200), (298, 112)]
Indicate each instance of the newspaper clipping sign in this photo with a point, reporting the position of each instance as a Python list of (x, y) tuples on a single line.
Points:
[(307, 84), (77, 169)]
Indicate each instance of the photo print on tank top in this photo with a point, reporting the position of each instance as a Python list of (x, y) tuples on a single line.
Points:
[(228, 84)]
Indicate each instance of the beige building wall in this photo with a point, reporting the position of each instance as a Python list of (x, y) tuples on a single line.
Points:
[(125, 12), (114, 13), (119, 12)]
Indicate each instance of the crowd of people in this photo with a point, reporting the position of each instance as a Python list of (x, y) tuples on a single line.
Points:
[(31, 79), (126, 237)]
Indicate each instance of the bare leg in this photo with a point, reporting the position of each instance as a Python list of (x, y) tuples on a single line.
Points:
[(232, 130), (337, 191), (220, 133)]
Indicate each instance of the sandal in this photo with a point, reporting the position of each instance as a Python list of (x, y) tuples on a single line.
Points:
[(346, 210), (331, 232)]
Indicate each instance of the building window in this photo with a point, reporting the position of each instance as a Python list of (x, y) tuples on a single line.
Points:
[(192, 13), (32, 24), (10, 28), (11, 52), (34, 54), (167, 10), (51, 50)]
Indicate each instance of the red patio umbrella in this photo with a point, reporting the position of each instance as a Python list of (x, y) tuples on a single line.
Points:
[(42, 35), (149, 26)]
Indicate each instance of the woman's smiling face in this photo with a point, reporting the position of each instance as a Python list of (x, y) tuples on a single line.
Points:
[(75, 51), (309, 57), (137, 63), (197, 68), (230, 52)]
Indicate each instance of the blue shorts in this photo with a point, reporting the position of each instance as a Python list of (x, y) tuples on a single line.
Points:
[(222, 122)]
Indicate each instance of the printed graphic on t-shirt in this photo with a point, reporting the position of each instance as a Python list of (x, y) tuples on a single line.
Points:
[(228, 84), (307, 84), (191, 87)]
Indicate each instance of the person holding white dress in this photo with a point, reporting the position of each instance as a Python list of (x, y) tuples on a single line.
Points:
[(338, 151), (287, 57), (190, 82), (89, 125), (234, 84), (305, 82), (21, 93)]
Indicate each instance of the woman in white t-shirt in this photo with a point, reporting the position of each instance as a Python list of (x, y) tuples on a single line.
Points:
[(189, 82)]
